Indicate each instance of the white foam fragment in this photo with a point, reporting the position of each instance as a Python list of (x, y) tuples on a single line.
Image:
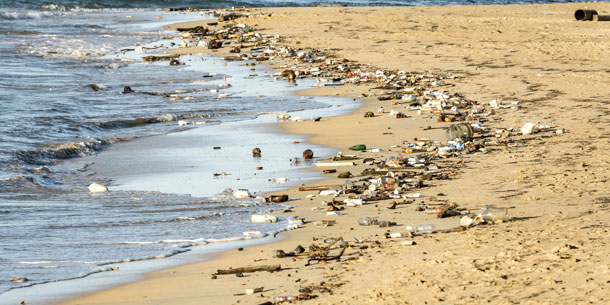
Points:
[(97, 188)]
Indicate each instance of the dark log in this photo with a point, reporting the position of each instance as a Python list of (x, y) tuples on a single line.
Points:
[(269, 268)]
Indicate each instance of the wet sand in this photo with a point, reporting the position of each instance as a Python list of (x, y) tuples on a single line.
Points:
[(554, 248)]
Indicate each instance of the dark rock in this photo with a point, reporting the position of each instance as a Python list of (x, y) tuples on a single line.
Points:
[(289, 74), (256, 152), (278, 198), (308, 154), (344, 175), (214, 44)]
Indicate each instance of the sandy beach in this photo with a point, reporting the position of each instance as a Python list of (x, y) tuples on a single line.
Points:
[(546, 67)]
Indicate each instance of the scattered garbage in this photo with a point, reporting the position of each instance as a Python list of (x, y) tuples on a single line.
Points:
[(256, 152), (367, 221), (241, 194), (286, 298), (358, 147), (461, 131), (278, 180), (308, 154), (278, 198), (425, 229), (344, 175), (19, 279), (528, 128), (254, 290), (280, 253), (584, 15), (289, 74), (330, 164), (264, 218), (97, 188), (283, 117)]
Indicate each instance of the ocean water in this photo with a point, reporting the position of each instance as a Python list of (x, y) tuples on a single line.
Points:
[(64, 66)]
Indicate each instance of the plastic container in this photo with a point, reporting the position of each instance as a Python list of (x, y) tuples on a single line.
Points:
[(367, 221), (286, 298), (425, 229), (386, 223), (490, 213), (460, 131), (264, 218)]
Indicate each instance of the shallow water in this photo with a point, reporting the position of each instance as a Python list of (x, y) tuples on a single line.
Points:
[(62, 100)]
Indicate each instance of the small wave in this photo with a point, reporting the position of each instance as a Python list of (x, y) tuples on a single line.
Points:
[(169, 253), (17, 184), (164, 118), (5, 31), (66, 151), (23, 15)]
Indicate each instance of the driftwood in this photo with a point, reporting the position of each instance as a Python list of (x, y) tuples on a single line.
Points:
[(322, 253), (269, 268), (158, 58), (325, 258), (318, 188), (194, 30)]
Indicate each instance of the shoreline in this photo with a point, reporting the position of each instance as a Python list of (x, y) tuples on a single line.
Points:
[(546, 252)]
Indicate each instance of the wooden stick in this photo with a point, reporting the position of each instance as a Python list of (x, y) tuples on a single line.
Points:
[(157, 58), (318, 188), (269, 268)]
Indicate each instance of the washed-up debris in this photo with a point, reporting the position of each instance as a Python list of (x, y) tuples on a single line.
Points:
[(160, 58), (254, 290), (278, 198), (283, 117), (19, 279), (222, 174), (330, 164), (325, 223), (241, 194), (269, 268), (358, 147), (264, 218), (319, 254), (97, 188), (316, 253), (317, 188), (308, 154), (280, 253), (256, 152), (289, 74), (488, 214), (368, 221), (344, 175)]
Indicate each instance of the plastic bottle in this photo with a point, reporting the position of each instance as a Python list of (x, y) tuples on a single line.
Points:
[(460, 131), (367, 221), (490, 213), (425, 229), (386, 223), (286, 298)]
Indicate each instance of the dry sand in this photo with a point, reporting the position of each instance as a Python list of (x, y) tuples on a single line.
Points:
[(555, 251)]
